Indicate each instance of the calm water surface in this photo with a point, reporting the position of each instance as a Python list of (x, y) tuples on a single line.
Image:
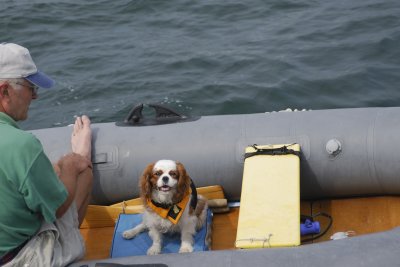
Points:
[(207, 57)]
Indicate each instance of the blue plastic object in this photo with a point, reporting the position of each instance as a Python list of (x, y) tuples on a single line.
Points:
[(309, 227)]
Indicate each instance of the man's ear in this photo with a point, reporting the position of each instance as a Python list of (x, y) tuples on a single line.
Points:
[(4, 96), (4, 89)]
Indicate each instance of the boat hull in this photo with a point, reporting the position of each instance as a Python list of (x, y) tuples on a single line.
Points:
[(344, 153)]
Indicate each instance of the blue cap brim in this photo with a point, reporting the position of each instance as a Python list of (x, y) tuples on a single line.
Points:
[(40, 79)]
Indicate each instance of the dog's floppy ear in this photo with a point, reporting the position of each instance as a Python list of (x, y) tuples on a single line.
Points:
[(183, 181), (145, 181)]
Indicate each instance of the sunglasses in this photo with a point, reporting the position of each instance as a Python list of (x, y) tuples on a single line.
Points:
[(34, 88)]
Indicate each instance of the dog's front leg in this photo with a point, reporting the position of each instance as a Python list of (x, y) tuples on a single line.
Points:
[(188, 231), (156, 236), (131, 233)]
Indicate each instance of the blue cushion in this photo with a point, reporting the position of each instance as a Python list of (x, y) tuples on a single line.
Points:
[(141, 243)]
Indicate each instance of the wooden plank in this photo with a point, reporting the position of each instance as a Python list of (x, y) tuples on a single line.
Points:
[(98, 242), (224, 228), (209, 192), (106, 216)]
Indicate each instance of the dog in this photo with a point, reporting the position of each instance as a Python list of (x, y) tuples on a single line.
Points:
[(171, 205)]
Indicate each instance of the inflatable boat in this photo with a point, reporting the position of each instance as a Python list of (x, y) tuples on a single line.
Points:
[(349, 162)]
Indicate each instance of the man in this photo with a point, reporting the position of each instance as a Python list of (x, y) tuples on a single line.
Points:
[(41, 205)]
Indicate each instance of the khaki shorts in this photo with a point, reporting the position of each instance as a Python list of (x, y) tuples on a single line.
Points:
[(55, 244)]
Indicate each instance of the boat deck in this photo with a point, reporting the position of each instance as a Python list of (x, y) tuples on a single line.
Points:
[(361, 215)]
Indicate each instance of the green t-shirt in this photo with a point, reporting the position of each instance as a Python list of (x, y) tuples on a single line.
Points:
[(30, 191)]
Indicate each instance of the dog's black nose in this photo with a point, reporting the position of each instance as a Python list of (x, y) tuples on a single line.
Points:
[(165, 179)]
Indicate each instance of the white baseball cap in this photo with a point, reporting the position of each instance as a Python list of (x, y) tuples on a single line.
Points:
[(16, 62)]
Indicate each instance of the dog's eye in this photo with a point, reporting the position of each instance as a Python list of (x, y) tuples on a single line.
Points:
[(173, 174), (158, 173)]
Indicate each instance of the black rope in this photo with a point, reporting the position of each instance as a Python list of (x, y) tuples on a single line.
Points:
[(284, 150)]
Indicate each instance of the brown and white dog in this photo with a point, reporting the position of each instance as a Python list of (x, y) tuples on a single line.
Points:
[(171, 205)]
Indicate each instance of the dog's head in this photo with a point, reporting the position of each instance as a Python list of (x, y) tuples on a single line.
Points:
[(166, 180)]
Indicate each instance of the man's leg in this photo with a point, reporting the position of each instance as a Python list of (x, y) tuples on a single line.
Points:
[(81, 144), (83, 193)]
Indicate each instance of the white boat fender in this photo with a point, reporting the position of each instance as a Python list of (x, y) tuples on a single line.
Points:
[(342, 235)]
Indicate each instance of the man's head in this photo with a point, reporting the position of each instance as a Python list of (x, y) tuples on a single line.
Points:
[(19, 80), (16, 62)]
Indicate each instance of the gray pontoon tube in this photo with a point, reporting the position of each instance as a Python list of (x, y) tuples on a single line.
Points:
[(345, 152)]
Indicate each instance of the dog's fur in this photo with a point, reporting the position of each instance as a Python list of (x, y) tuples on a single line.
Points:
[(166, 182)]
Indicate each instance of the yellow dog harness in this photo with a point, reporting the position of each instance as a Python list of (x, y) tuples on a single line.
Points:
[(174, 212)]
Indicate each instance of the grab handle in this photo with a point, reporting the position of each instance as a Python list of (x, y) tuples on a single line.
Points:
[(163, 115)]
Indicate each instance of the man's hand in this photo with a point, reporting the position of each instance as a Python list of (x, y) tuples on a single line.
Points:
[(73, 163)]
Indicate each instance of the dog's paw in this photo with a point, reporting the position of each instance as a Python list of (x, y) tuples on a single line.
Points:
[(128, 234), (185, 248), (154, 250)]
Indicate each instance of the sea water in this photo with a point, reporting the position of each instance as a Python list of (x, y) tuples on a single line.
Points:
[(206, 57)]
